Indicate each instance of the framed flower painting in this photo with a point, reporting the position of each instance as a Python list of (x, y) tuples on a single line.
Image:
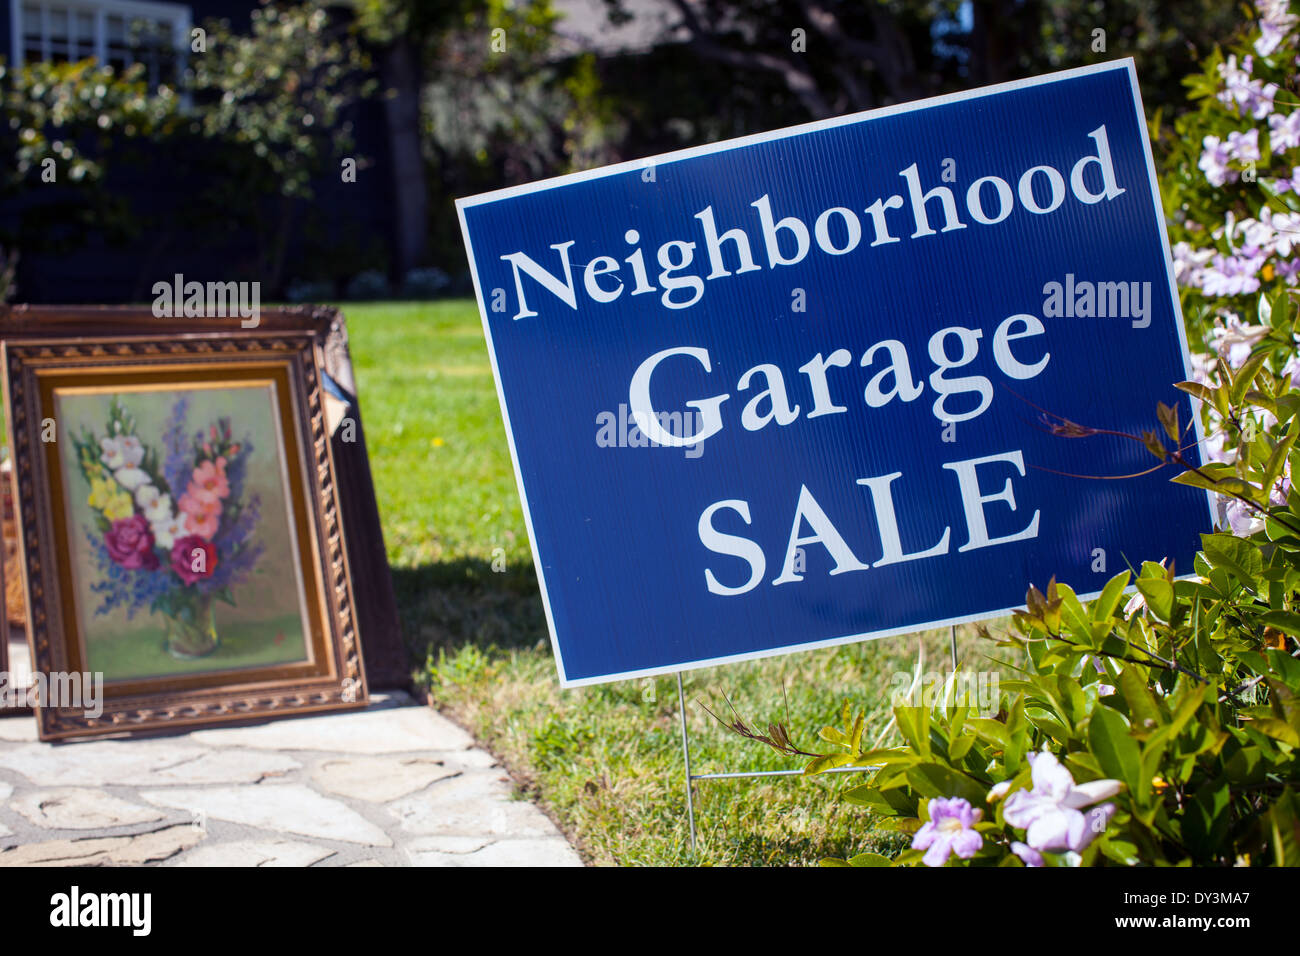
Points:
[(181, 536)]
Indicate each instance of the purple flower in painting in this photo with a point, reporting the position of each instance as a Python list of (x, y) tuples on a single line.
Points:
[(130, 543), (130, 590), (176, 463), (950, 829)]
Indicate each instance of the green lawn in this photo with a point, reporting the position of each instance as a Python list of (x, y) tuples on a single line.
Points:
[(605, 761)]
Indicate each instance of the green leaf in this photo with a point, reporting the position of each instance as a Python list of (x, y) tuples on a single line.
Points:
[(914, 725), (1168, 416), (1239, 557), (1245, 376), (960, 747), (1196, 390), (1277, 729), (1142, 704), (1159, 595), (1284, 823), (883, 803), (937, 780), (1226, 486), (1103, 608), (1286, 621), (870, 859), (1116, 751), (820, 764)]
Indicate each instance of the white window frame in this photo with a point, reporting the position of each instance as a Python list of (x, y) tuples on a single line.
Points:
[(177, 14)]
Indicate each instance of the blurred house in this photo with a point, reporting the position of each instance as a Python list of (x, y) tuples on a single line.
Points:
[(351, 221)]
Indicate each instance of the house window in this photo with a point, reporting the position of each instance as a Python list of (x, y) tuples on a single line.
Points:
[(115, 32)]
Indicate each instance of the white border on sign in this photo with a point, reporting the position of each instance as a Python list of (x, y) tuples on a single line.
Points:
[(637, 165)]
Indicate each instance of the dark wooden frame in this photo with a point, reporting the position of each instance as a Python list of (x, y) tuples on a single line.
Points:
[(99, 338)]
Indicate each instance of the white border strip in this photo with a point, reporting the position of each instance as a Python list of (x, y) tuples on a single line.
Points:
[(725, 146)]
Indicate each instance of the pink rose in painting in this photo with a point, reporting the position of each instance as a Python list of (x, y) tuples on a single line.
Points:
[(193, 559), (130, 543)]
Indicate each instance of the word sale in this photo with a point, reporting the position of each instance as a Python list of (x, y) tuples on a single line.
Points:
[(974, 500)]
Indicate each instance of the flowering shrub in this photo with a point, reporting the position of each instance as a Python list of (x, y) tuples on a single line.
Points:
[(1161, 730), (1232, 190)]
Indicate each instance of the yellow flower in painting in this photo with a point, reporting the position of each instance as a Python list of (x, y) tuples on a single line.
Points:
[(112, 500)]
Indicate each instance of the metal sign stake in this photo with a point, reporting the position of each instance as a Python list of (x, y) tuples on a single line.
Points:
[(686, 754), (739, 774)]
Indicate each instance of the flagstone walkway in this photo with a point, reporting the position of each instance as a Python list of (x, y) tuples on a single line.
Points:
[(394, 785)]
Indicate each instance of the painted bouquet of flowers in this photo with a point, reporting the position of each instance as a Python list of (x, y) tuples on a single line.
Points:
[(172, 534)]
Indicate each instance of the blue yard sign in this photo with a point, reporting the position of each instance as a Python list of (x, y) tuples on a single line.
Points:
[(787, 391)]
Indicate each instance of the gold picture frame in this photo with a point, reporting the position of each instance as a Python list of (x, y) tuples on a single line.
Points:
[(85, 587)]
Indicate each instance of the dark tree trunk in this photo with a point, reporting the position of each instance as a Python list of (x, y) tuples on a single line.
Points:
[(399, 70)]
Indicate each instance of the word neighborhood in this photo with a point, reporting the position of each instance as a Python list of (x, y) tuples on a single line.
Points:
[(837, 231)]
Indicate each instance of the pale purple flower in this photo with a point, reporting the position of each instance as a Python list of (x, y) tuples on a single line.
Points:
[(1242, 519), (950, 829), (1189, 264), (1270, 38), (1290, 184), (1292, 369), (1251, 97), (1284, 131), (1216, 448), (1282, 230), (1234, 339), (1051, 814), (1214, 162), (1278, 495), (1203, 367), (1103, 690), (1233, 275), (1275, 22), (1028, 855), (1244, 146)]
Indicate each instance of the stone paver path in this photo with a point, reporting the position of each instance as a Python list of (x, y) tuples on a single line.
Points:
[(394, 785)]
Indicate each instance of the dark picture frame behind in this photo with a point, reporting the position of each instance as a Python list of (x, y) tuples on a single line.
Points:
[(68, 368)]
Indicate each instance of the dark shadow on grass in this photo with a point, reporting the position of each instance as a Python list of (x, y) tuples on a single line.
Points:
[(449, 604)]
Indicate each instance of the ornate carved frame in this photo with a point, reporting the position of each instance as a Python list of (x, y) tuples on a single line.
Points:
[(95, 341)]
